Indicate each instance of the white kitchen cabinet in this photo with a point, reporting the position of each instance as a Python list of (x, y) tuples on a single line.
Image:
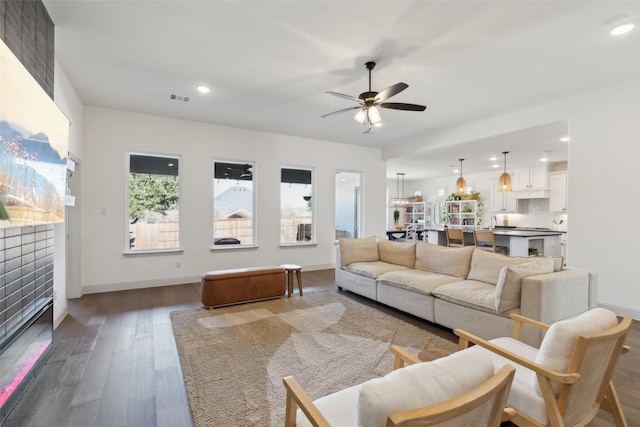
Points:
[(531, 183), (503, 201), (558, 192)]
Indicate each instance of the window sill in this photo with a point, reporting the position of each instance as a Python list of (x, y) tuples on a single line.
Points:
[(154, 252), (297, 245), (232, 247)]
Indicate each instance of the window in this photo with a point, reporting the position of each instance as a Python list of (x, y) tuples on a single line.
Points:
[(154, 208), (296, 206), (233, 204)]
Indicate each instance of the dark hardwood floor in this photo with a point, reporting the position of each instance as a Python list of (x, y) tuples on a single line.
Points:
[(115, 362)]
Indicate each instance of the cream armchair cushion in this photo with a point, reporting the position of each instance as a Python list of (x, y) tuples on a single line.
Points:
[(560, 340), (420, 385)]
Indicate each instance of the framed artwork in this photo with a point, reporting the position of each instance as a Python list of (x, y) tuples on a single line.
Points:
[(34, 137)]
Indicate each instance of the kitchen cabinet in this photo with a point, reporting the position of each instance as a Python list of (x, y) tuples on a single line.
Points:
[(531, 183), (503, 201), (558, 192), (462, 213)]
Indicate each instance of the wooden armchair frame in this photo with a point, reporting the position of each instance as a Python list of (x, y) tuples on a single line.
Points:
[(496, 387), (557, 407)]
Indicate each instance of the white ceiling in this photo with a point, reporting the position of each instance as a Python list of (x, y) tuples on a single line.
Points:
[(269, 63)]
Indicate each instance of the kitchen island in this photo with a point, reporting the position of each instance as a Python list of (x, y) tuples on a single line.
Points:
[(520, 241)]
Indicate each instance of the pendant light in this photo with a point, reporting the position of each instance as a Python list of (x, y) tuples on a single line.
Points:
[(461, 184), (504, 183), (399, 201)]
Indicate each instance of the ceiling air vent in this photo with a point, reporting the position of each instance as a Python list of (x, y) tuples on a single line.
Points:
[(179, 98)]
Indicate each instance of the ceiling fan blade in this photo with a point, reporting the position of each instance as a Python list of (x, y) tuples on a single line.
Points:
[(343, 111), (342, 95), (402, 106), (391, 91)]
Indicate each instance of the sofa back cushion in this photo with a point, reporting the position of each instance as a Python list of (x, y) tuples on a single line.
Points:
[(443, 260), (420, 385), (486, 266), (397, 253), (358, 250), (509, 284), (561, 338)]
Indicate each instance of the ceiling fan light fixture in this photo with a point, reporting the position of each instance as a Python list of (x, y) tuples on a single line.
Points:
[(504, 182), (461, 183), (373, 116)]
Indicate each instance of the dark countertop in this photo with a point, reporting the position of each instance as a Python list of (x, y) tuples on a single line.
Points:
[(513, 232)]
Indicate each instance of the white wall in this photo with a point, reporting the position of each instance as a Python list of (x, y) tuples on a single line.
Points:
[(109, 134), (67, 235), (604, 126)]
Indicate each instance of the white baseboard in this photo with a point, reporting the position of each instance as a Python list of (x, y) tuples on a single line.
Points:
[(141, 284), (621, 311), (60, 318)]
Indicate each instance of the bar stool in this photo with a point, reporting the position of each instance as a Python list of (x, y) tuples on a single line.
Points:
[(290, 269), (485, 240), (455, 237)]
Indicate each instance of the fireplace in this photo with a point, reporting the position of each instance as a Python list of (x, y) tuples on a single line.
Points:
[(26, 308)]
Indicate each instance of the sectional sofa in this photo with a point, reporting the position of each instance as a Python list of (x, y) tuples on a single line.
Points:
[(467, 288)]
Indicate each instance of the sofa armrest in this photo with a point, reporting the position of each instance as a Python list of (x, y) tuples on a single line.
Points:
[(550, 297)]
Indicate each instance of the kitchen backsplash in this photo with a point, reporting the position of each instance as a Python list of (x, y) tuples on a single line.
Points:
[(533, 213)]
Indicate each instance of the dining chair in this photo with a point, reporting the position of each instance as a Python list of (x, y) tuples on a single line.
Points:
[(486, 240)]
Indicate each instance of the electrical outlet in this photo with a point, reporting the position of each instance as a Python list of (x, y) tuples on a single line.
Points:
[(178, 264)]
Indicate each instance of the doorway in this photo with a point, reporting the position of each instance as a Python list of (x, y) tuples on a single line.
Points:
[(348, 204)]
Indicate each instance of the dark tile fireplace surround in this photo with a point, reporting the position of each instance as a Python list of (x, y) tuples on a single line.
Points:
[(26, 308), (26, 253)]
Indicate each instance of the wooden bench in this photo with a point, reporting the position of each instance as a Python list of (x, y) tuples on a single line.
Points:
[(226, 287)]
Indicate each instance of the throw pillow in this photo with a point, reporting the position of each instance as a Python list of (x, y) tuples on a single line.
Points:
[(358, 250), (510, 281), (486, 266), (561, 338), (420, 385)]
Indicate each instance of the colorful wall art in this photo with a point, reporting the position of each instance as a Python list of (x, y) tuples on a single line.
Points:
[(34, 138)]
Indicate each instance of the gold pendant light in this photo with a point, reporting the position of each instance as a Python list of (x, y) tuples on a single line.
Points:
[(461, 184), (504, 183)]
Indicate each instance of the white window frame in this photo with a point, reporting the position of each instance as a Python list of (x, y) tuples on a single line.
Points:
[(254, 167), (127, 245), (313, 240)]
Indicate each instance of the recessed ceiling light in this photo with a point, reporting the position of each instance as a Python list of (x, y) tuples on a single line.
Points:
[(544, 159), (622, 28), (456, 171), (564, 139), (495, 166), (493, 159), (203, 89)]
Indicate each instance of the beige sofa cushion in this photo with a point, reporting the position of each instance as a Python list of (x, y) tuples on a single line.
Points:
[(510, 281), (373, 269), (420, 385), (443, 260), (469, 293), (416, 280), (397, 253), (354, 250), (486, 266)]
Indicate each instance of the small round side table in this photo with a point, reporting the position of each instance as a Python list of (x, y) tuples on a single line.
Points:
[(290, 269)]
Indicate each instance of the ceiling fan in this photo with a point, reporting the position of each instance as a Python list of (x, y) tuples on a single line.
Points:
[(368, 102)]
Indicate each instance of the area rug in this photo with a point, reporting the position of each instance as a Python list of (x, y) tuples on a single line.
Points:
[(234, 358)]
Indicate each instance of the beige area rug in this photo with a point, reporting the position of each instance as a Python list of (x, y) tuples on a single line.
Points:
[(234, 358)]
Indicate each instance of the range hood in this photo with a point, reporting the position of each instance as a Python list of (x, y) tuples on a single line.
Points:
[(531, 194)]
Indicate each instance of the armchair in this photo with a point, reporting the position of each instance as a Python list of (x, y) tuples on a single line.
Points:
[(568, 380), (460, 389)]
